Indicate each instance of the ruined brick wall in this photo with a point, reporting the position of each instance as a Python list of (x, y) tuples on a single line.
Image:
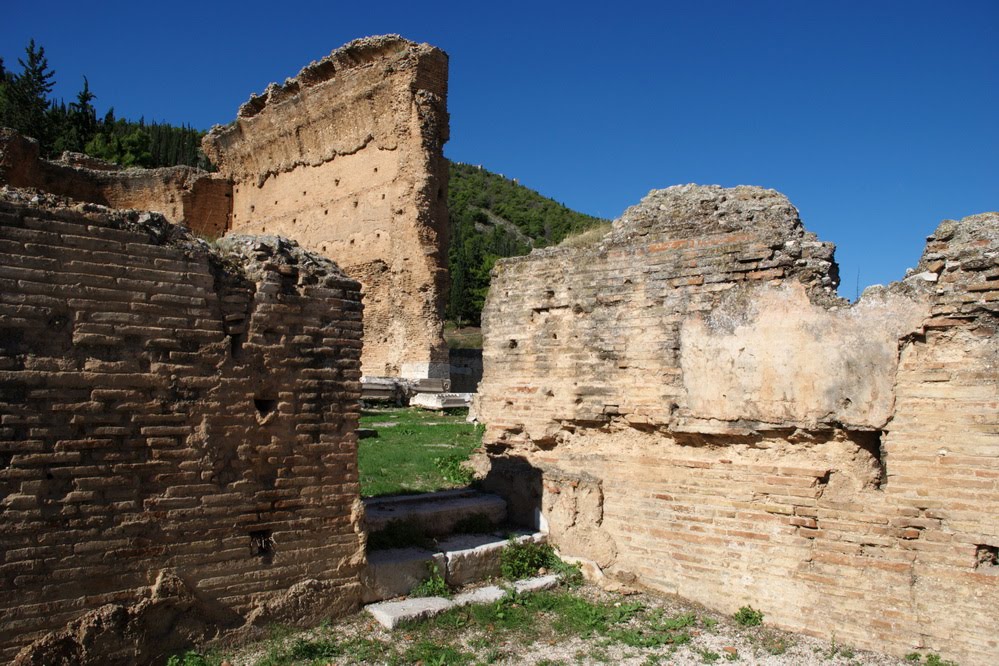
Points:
[(177, 434), (688, 404), (347, 159), (182, 194)]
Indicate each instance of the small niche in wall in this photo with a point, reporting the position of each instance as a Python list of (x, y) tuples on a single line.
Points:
[(262, 545), (987, 557), (266, 408)]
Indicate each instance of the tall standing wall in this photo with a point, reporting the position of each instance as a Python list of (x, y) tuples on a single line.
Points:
[(347, 159), (689, 405), (177, 435)]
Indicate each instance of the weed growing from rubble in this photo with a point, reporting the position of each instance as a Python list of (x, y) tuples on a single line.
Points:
[(523, 559), (708, 656), (191, 658), (748, 617), (433, 586), (430, 653)]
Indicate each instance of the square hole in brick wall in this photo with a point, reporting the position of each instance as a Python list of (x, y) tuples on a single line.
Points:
[(262, 545), (986, 557)]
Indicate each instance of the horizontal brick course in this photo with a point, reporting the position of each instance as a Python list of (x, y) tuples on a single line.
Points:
[(863, 524), (130, 442)]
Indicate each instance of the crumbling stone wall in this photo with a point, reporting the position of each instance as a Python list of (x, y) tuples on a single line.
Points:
[(177, 434), (689, 405), (347, 159), (182, 194)]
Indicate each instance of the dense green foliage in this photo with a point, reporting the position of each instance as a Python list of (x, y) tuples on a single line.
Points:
[(523, 559), (25, 106), (494, 217)]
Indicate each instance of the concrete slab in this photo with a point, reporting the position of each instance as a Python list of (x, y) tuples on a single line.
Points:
[(390, 614)]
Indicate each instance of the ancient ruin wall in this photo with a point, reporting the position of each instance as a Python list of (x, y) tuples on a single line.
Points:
[(688, 404), (184, 195), (347, 159), (177, 434)]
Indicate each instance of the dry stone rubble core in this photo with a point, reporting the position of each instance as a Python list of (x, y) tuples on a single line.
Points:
[(689, 405)]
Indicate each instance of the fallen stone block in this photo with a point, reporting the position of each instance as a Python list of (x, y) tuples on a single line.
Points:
[(482, 595), (390, 614), (439, 401), (536, 584), (475, 557), (394, 572)]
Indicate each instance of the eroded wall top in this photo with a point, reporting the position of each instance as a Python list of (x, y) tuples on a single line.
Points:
[(705, 309), (183, 194), (347, 159)]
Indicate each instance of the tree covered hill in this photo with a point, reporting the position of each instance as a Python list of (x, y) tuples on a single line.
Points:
[(25, 106), (492, 217)]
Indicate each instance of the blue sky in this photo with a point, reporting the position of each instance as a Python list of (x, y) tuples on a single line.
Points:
[(877, 119)]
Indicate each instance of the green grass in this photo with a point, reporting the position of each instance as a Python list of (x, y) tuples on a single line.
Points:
[(469, 337), (421, 453)]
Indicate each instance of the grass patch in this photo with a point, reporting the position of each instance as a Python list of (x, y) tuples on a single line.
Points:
[(431, 653), (421, 452), (466, 337), (588, 237), (321, 650)]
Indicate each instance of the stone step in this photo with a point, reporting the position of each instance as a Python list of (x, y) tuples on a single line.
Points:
[(390, 614), (461, 559), (437, 512)]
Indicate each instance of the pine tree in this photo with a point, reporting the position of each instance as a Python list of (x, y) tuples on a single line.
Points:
[(83, 116), (27, 96)]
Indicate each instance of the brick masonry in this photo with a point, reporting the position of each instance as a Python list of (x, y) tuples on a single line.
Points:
[(347, 158), (184, 195), (689, 405), (177, 422)]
